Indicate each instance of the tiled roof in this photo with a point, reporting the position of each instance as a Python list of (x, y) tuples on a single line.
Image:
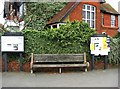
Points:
[(62, 13), (105, 7), (70, 7)]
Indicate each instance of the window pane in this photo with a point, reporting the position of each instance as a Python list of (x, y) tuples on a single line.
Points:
[(112, 20), (83, 6), (88, 14), (92, 15), (88, 21), (92, 8), (84, 14), (92, 24), (112, 17), (88, 7), (113, 23)]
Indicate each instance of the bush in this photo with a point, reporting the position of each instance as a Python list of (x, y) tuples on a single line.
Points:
[(118, 35), (70, 38), (114, 55)]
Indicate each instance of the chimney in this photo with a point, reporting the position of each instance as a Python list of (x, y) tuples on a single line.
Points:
[(102, 1)]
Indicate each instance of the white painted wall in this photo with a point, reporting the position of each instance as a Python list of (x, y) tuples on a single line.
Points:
[(10, 23), (2, 20)]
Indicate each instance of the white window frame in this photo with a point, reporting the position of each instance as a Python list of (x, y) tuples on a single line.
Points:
[(86, 10), (57, 25), (113, 21), (102, 19)]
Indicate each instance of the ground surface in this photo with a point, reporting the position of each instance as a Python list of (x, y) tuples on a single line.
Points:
[(96, 78)]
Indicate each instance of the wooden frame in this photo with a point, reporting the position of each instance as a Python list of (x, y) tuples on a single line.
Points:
[(42, 64)]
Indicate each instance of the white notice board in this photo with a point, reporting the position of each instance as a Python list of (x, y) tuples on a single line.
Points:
[(99, 46), (12, 43)]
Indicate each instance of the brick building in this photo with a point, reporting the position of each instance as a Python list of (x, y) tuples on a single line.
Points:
[(99, 15)]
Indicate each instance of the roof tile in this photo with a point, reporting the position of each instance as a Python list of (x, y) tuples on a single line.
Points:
[(104, 7)]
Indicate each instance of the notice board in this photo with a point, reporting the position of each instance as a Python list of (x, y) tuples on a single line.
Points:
[(12, 43)]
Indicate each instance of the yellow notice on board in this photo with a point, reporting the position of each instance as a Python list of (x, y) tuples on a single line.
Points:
[(92, 47), (104, 46), (104, 39)]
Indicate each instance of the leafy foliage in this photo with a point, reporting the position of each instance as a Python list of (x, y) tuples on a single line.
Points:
[(118, 35), (70, 38), (114, 56), (40, 13), (1, 30)]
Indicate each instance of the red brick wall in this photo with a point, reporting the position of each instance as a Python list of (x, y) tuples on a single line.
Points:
[(111, 31), (107, 20), (116, 21), (76, 14)]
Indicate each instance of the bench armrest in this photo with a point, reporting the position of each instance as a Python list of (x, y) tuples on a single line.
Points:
[(32, 56), (85, 58)]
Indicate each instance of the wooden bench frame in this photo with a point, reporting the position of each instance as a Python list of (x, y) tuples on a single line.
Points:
[(85, 64)]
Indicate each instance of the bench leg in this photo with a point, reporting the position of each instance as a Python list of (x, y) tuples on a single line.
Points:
[(86, 70), (60, 70), (31, 71)]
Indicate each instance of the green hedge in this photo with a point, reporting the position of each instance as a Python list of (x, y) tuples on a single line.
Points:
[(114, 55), (73, 37)]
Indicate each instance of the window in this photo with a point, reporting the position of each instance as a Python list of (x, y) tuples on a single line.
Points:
[(112, 21), (102, 19), (89, 13)]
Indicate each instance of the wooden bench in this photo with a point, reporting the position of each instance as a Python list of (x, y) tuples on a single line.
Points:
[(58, 60)]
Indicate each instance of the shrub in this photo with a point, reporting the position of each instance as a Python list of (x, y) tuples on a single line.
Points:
[(118, 35), (114, 55), (70, 38)]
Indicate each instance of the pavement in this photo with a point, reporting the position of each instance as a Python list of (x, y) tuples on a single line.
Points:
[(96, 78)]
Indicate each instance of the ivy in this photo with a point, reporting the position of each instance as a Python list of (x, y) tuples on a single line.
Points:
[(41, 13)]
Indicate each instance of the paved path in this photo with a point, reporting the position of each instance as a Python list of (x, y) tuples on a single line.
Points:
[(97, 78)]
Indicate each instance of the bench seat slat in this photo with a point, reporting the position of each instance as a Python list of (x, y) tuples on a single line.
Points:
[(60, 65), (80, 61)]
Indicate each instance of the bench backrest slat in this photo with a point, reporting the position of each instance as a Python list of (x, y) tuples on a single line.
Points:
[(58, 57)]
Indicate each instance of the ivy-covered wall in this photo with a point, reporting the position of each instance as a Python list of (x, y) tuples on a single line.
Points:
[(38, 14)]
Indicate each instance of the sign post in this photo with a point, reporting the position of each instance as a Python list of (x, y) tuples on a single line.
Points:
[(5, 61), (100, 45), (21, 62), (92, 61)]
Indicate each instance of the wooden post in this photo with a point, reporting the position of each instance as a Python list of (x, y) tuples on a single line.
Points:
[(21, 68), (85, 58), (85, 61), (31, 64), (105, 62), (92, 62), (5, 61), (60, 70)]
